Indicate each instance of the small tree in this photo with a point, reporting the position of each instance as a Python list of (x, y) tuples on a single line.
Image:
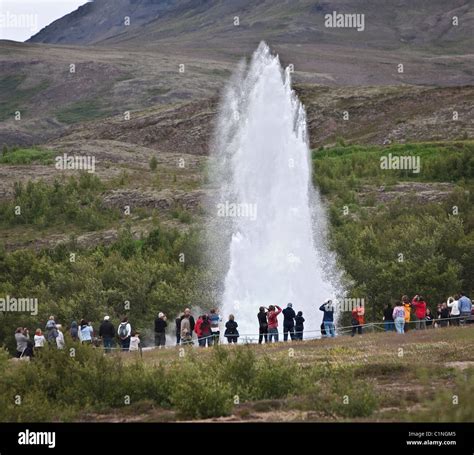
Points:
[(153, 163)]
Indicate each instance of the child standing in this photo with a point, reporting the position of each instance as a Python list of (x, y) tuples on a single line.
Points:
[(134, 342), (39, 339), (299, 325)]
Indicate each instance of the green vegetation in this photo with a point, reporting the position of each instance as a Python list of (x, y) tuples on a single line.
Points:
[(81, 379), (149, 273), (32, 155), (13, 98), (321, 381), (153, 163), (181, 214), (406, 244), (72, 201), (82, 111)]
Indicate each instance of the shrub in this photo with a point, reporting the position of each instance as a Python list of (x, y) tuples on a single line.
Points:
[(197, 393)]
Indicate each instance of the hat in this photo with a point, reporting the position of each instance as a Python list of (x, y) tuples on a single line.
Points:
[(290, 305), (106, 318)]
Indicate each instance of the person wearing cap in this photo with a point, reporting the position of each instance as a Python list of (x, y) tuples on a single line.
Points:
[(107, 333), (289, 322), (160, 330)]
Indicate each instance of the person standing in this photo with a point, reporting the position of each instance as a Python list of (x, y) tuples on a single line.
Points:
[(74, 331), (231, 332), (185, 327), (429, 318), (197, 330), (124, 332), (299, 326), (272, 316), (454, 316), (60, 338), (399, 317), (420, 311), (388, 318), (85, 332), (134, 342), (262, 325), (444, 315), (206, 334), (177, 323), (39, 339), (328, 318), (465, 307), (160, 330), (358, 319), (289, 322), (187, 313), (407, 307), (107, 333), (51, 331), (214, 320), (23, 346)]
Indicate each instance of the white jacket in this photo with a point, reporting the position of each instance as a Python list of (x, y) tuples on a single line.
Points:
[(454, 305)]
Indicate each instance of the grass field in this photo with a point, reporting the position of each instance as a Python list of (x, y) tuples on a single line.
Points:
[(420, 376)]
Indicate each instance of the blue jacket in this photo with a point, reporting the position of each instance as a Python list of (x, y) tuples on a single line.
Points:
[(465, 304)]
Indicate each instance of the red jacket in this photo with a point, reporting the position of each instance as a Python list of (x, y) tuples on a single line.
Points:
[(420, 308), (197, 327), (358, 314), (272, 318)]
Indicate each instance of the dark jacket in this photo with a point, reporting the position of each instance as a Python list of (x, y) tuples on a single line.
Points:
[(299, 323), (289, 317), (388, 314), (231, 329), (262, 319), (160, 325), (328, 312), (74, 331), (106, 330)]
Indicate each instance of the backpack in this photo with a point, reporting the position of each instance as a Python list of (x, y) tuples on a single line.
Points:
[(123, 330)]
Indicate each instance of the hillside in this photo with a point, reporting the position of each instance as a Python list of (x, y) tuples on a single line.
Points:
[(392, 25)]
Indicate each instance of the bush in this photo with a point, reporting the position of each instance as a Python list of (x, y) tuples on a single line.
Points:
[(153, 163), (197, 393), (275, 379)]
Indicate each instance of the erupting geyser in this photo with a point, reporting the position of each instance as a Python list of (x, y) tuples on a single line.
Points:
[(266, 204)]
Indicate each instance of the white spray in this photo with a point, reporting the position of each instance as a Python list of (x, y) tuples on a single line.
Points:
[(266, 206)]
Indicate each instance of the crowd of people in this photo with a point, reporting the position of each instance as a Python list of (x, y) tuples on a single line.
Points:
[(455, 311), (206, 328)]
